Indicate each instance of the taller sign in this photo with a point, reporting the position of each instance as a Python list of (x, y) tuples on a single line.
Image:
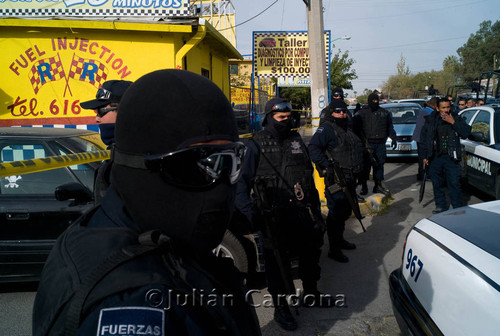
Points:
[(285, 55), (95, 8)]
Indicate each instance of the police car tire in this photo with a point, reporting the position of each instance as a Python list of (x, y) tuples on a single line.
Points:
[(231, 247)]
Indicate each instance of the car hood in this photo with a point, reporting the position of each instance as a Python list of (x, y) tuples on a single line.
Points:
[(479, 224), (404, 129)]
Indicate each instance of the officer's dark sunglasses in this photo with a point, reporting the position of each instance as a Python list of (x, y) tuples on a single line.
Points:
[(195, 167), (101, 111), (336, 94), (340, 110), (282, 107)]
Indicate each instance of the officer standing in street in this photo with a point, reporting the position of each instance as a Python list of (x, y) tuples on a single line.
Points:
[(335, 143), (106, 108), (141, 263), (442, 153), (277, 192), (373, 125)]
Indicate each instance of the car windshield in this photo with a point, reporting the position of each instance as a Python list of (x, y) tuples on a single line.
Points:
[(404, 114)]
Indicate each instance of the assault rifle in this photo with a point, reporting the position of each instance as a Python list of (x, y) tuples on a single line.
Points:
[(369, 149), (340, 183), (268, 212)]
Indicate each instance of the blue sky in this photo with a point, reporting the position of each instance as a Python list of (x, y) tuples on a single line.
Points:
[(423, 31)]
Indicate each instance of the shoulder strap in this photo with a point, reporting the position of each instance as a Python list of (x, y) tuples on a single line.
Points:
[(148, 242)]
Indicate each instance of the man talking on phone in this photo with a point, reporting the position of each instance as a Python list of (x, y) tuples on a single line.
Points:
[(441, 135)]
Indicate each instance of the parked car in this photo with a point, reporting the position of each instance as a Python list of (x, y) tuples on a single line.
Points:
[(404, 118), (449, 280), (31, 218), (481, 151), (419, 101)]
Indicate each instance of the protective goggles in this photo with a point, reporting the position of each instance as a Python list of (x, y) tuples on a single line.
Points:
[(195, 167), (104, 94), (337, 94), (101, 111), (282, 107), (340, 110)]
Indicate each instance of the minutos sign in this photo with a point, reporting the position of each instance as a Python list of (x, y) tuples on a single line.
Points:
[(284, 54)]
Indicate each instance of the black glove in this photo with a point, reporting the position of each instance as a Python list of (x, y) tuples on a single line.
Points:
[(394, 144)]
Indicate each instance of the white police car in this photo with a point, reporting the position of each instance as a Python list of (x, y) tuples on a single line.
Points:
[(481, 151), (449, 280)]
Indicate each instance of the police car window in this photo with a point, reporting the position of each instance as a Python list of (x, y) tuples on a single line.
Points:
[(44, 182), (482, 124), (467, 115)]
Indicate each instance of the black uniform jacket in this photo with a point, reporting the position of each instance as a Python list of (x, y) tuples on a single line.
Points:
[(429, 133), (155, 293)]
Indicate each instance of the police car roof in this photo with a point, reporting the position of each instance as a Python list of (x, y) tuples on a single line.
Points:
[(42, 132)]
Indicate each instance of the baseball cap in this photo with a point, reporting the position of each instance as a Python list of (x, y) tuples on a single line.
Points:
[(110, 92)]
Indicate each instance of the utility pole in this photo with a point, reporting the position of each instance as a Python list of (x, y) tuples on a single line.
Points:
[(317, 60)]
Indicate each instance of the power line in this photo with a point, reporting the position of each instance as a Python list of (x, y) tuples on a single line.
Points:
[(282, 15), (409, 44), (253, 17)]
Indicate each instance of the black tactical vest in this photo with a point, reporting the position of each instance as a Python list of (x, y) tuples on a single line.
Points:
[(285, 170), (375, 124), (349, 152)]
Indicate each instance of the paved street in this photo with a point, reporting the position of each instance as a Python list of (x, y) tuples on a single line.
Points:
[(362, 281)]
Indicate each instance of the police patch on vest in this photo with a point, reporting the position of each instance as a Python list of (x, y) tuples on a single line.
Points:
[(296, 148), (131, 321)]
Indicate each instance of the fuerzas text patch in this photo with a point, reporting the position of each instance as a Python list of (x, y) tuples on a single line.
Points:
[(131, 321)]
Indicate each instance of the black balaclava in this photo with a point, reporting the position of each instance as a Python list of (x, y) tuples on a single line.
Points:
[(161, 112), (107, 133), (373, 106), (339, 91), (335, 104), (279, 129)]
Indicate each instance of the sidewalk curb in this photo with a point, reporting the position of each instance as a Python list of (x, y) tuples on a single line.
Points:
[(373, 205)]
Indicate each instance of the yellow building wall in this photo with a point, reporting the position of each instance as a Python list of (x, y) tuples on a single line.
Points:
[(42, 63)]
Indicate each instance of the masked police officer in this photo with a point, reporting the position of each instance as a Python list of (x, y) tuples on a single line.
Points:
[(141, 262), (279, 175), (335, 143), (373, 124), (337, 95), (105, 105), (442, 152)]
